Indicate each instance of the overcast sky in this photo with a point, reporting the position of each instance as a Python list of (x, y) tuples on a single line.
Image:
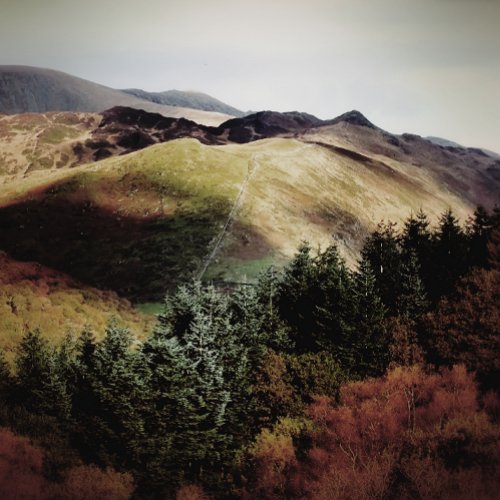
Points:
[(430, 67)]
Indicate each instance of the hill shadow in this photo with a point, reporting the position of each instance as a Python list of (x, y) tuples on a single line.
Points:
[(140, 258)]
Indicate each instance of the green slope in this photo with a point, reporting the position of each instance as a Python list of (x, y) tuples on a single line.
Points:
[(140, 223)]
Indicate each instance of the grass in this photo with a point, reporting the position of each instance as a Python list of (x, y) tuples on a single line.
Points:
[(40, 141), (241, 271), (150, 308), (141, 223), (57, 133)]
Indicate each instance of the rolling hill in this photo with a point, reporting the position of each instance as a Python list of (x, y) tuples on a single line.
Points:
[(25, 89), (135, 202), (36, 141), (138, 224)]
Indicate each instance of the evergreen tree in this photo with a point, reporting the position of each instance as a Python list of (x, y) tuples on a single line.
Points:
[(478, 232), (382, 251), (275, 331), (417, 238), (295, 300), (202, 438), (412, 300), (449, 256), (111, 398), (370, 338), (221, 344), (244, 353), (333, 305), (170, 411), (40, 386)]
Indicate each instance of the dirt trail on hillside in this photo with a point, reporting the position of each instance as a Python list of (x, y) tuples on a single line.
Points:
[(253, 166)]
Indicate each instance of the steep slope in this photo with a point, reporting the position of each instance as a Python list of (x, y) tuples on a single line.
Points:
[(33, 296), (26, 89), (196, 100), (467, 172), (139, 223)]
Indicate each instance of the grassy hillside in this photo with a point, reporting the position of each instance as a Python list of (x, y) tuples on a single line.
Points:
[(33, 296), (467, 172), (42, 141), (139, 223)]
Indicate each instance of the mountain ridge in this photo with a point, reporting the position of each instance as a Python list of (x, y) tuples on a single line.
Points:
[(30, 89), (187, 99), (63, 140)]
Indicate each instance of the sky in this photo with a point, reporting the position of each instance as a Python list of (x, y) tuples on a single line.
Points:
[(430, 67)]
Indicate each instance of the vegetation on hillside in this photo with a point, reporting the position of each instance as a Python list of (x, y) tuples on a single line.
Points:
[(142, 223), (317, 382), (33, 296)]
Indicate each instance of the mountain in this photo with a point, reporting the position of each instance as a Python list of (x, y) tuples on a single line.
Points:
[(450, 144), (56, 140), (142, 202), (196, 100), (26, 89), (443, 142), (53, 140)]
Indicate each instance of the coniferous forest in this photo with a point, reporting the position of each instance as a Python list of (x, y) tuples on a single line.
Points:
[(319, 381)]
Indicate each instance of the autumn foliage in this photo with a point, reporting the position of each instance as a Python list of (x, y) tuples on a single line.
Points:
[(410, 434), (22, 476)]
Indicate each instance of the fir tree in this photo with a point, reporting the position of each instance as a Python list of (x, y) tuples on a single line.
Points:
[(170, 411), (478, 232), (111, 398), (412, 301), (201, 437), (370, 338), (382, 251), (275, 331), (295, 299), (333, 305), (450, 256), (40, 386), (417, 238)]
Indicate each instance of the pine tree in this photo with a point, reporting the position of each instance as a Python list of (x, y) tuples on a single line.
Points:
[(449, 256), (412, 301), (40, 386), (295, 300), (333, 305), (382, 251), (370, 339)]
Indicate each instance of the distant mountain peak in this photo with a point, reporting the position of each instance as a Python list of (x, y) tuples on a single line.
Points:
[(354, 117), (187, 99), (26, 89)]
